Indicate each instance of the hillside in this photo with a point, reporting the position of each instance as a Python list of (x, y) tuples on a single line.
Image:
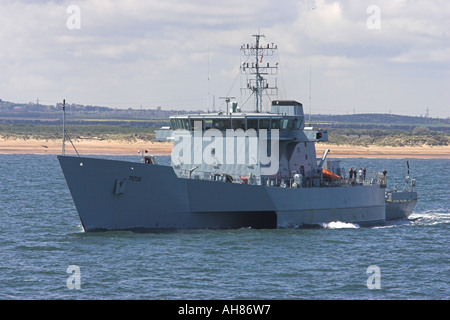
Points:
[(384, 129), (39, 121)]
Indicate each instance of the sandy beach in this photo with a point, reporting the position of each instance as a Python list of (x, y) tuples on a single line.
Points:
[(107, 147)]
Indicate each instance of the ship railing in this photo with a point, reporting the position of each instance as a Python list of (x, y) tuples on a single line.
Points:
[(371, 178), (219, 177)]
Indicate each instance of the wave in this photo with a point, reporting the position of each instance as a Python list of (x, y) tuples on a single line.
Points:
[(431, 217), (340, 225), (426, 218)]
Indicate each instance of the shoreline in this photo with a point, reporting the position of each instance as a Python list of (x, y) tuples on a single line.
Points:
[(109, 147)]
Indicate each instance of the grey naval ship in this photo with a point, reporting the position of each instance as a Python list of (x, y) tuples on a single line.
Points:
[(231, 169)]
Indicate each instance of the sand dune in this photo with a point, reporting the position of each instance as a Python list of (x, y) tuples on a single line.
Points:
[(103, 147)]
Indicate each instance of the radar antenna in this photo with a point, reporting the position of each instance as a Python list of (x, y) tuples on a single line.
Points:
[(227, 100), (258, 84)]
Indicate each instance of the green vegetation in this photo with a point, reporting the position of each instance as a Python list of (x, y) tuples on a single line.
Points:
[(391, 139), (26, 121), (416, 137), (37, 121), (384, 130), (85, 131)]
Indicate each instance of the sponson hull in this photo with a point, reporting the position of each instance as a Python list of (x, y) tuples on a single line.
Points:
[(120, 195), (399, 205)]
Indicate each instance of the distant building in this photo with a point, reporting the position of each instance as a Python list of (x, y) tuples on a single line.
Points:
[(164, 134)]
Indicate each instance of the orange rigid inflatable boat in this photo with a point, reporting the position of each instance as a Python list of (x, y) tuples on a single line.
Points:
[(329, 175)]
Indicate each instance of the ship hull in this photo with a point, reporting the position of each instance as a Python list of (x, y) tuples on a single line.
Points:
[(399, 205), (120, 195)]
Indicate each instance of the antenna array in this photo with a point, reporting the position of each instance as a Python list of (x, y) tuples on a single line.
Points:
[(255, 71)]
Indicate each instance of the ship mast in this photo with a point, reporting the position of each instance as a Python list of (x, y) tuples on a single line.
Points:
[(258, 84)]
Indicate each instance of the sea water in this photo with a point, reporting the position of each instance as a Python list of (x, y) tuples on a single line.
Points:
[(45, 254)]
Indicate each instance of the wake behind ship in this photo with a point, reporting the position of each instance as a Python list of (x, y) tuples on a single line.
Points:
[(230, 169)]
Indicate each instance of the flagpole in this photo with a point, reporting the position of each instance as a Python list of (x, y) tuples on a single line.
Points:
[(64, 128)]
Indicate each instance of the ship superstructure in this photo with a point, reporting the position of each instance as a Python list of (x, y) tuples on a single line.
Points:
[(258, 148)]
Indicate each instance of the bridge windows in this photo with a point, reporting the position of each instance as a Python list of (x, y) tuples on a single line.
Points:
[(275, 124), (252, 124), (264, 124), (238, 124), (287, 124), (222, 124)]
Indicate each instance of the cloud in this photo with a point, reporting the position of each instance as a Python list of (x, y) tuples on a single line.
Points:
[(179, 54)]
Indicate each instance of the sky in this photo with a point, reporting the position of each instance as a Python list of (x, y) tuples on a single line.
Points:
[(335, 57)]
